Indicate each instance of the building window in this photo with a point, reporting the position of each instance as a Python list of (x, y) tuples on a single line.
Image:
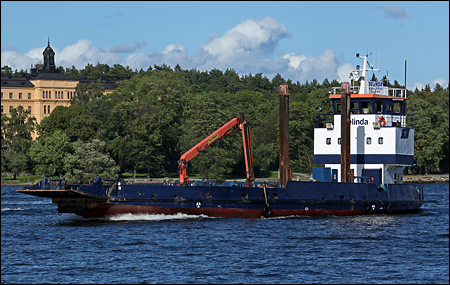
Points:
[(43, 94), (380, 140), (10, 109), (29, 109), (45, 109), (48, 109), (10, 95), (29, 95), (369, 140), (2, 109), (59, 95), (46, 94), (20, 95), (339, 140), (328, 140), (49, 94), (2, 95)]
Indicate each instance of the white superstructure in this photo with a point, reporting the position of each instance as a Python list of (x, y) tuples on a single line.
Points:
[(381, 140)]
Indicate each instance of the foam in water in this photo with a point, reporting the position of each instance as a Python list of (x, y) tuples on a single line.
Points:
[(12, 209), (153, 217)]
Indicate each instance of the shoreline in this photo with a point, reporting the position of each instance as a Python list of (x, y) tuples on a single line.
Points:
[(407, 179)]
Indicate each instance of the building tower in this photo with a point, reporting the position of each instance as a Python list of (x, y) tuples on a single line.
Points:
[(49, 59)]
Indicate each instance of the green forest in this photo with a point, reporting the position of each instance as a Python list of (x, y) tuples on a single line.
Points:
[(152, 118)]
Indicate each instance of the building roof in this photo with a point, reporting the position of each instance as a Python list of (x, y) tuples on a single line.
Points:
[(14, 81), (52, 76)]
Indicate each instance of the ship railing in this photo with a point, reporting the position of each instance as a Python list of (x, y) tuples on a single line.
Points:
[(396, 120), (364, 179), (388, 91)]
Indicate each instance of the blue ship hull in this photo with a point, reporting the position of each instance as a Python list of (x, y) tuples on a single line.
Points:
[(232, 200)]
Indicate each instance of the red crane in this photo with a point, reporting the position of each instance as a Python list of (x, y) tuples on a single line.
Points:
[(222, 131)]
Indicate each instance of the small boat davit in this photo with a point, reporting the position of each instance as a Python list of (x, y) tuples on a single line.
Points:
[(364, 146)]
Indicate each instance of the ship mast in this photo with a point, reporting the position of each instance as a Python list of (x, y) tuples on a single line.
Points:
[(364, 88)]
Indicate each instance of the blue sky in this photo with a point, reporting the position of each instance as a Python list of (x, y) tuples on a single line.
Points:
[(300, 40)]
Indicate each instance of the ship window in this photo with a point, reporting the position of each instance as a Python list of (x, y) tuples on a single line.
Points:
[(397, 107), (208, 195), (380, 140), (389, 107), (338, 107), (328, 140), (354, 109), (367, 107), (369, 140), (339, 140), (274, 196), (379, 106)]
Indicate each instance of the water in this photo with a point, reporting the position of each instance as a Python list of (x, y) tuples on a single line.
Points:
[(38, 246)]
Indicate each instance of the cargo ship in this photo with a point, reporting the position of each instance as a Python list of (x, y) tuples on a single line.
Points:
[(364, 145)]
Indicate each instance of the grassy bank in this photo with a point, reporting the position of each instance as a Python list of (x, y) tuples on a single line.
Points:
[(21, 180)]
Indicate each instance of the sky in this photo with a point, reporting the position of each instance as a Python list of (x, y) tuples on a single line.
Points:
[(299, 40)]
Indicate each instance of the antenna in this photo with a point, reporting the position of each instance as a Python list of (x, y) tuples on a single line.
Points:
[(405, 73), (378, 61)]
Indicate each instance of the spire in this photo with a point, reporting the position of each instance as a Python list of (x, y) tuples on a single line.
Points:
[(49, 58)]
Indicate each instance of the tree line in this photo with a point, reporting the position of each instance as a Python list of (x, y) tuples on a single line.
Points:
[(151, 119)]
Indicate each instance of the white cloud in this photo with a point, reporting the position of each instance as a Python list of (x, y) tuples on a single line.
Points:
[(302, 67), (343, 72), (250, 38), (417, 85), (440, 81), (420, 86), (247, 48), (18, 61)]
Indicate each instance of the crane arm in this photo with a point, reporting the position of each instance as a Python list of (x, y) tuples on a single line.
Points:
[(222, 131)]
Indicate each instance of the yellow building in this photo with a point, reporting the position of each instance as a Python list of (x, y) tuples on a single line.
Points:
[(41, 92)]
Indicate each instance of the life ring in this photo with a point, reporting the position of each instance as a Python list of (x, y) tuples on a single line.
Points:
[(267, 211), (381, 121)]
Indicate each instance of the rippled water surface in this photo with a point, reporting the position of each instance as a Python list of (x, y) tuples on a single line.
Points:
[(38, 246)]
